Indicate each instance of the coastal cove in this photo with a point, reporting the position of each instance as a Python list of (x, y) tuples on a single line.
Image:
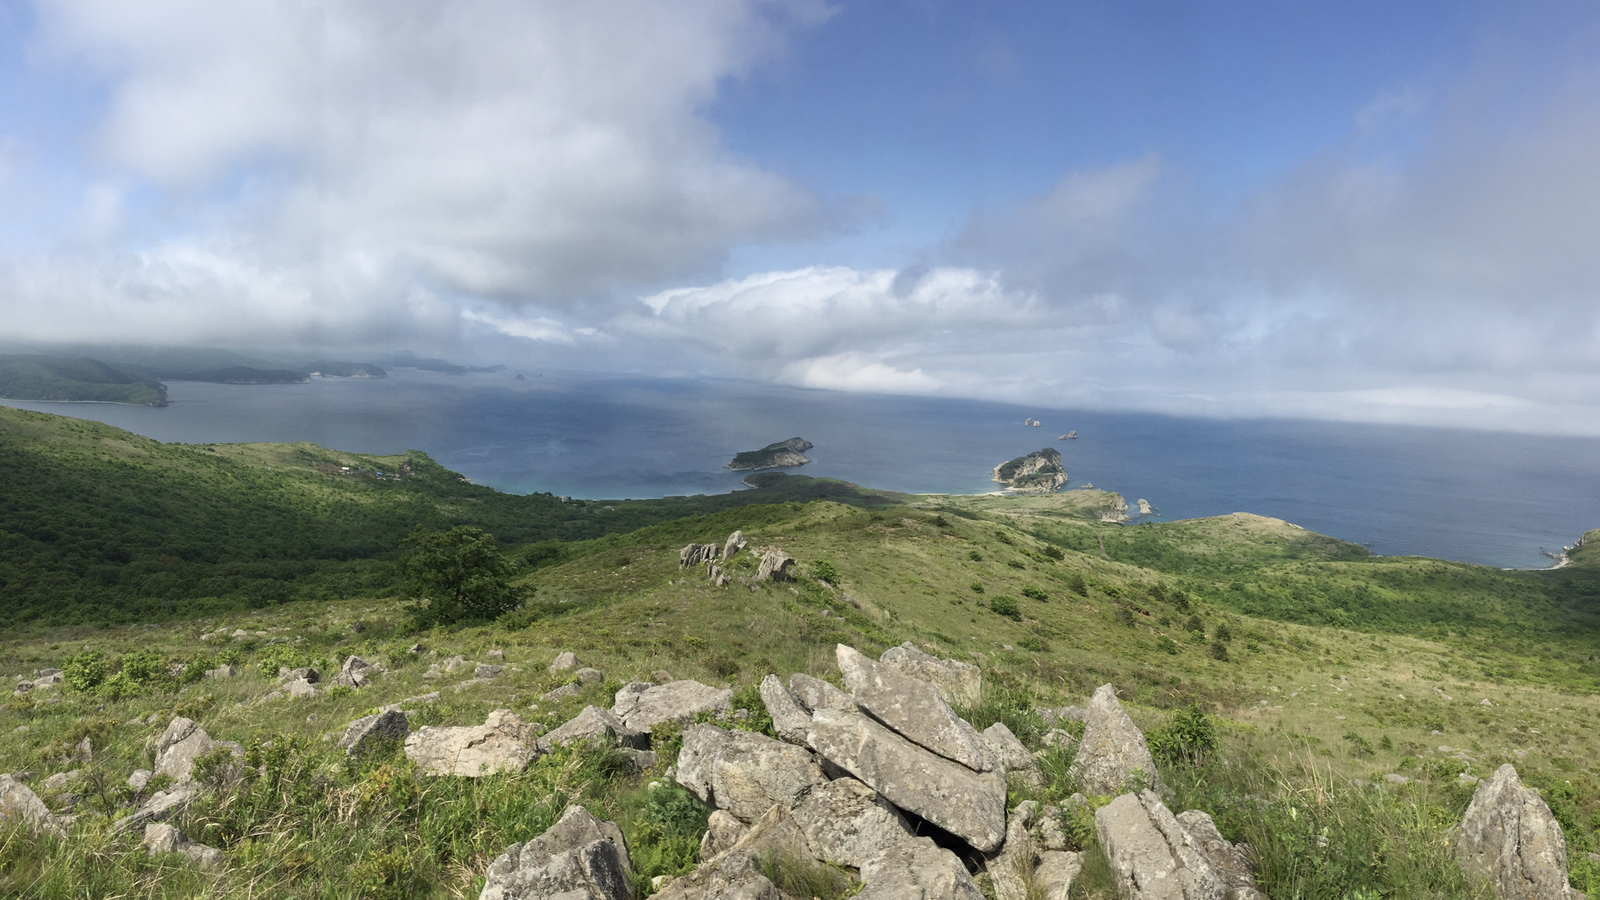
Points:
[(1482, 497)]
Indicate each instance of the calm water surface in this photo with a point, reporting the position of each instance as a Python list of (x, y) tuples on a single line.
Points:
[(1481, 497)]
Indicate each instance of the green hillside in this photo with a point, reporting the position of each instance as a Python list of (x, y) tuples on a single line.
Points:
[(1323, 670), (31, 377)]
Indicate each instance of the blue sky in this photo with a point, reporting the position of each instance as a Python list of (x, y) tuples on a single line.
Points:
[(1360, 211)]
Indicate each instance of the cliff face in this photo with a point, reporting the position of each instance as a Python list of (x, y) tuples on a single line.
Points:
[(1040, 472), (772, 456)]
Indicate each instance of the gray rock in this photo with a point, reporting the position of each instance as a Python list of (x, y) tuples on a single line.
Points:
[(790, 718), (815, 693), (304, 673), (733, 544), (1012, 870), (368, 732), (959, 682), (913, 709), (496, 655), (561, 693), (1055, 872), (502, 743), (411, 702), (1509, 839), (775, 566), (1013, 757), (354, 673), (578, 858), (733, 872), (640, 760), (1393, 778), (1113, 756), (1062, 714), (160, 838), (1151, 855), (742, 772), (301, 689), (160, 806), (1230, 862), (222, 671), (917, 870), (1058, 739), (139, 779), (58, 782), (643, 706), (179, 746), (696, 554), (454, 663), (484, 671), (723, 830), (18, 803), (589, 676), (968, 804), (847, 823), (565, 661), (593, 723)]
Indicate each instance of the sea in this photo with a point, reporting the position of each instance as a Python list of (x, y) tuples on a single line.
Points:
[(1491, 498)]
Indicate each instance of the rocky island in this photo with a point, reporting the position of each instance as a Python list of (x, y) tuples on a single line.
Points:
[(1040, 472), (772, 456)]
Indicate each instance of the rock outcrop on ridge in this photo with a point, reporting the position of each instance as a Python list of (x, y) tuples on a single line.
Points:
[(1509, 839)]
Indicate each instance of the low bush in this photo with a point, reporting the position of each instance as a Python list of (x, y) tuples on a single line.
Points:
[(1005, 606)]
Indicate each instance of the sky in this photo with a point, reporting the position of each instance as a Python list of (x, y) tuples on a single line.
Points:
[(1356, 211)]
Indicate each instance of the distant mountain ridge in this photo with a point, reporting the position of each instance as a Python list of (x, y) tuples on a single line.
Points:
[(35, 377)]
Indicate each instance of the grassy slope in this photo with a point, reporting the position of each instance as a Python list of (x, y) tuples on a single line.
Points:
[(27, 377), (1307, 702)]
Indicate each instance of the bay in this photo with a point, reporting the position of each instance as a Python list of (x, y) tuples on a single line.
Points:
[(1477, 496)]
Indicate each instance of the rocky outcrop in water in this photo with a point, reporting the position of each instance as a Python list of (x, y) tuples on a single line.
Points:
[(1040, 472), (773, 456)]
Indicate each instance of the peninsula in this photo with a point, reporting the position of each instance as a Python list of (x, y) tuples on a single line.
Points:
[(772, 456), (1040, 472)]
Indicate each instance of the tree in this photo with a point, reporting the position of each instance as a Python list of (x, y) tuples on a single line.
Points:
[(456, 576)]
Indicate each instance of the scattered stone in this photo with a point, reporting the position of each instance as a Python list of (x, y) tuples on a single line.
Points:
[(369, 732), (1113, 755), (696, 554), (742, 772), (589, 676), (1151, 855), (58, 782), (496, 655), (160, 838), (913, 709), (642, 706), (1013, 757), (1393, 778), (578, 858), (179, 746), (161, 805), (591, 724), (354, 673), (1057, 738), (775, 566), (139, 779), (723, 830), (222, 671), (968, 804), (959, 682), (502, 743), (732, 545), (790, 718), (454, 663), (484, 672), (304, 673), (301, 689), (18, 802), (1509, 839), (1485, 702), (565, 662), (561, 693), (1231, 862), (430, 697)]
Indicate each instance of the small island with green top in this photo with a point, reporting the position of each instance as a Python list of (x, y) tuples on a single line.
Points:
[(772, 456), (1040, 472)]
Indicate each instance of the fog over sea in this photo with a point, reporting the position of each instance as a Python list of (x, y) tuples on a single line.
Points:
[(1481, 497)]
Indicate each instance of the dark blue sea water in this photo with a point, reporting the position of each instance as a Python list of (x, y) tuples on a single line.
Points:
[(1482, 497)]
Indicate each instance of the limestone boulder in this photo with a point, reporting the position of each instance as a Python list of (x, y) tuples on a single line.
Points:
[(565, 661), (733, 544), (561, 693), (723, 830), (913, 709), (1055, 872), (642, 706), (1231, 861), (593, 723), (366, 734), (959, 682), (504, 742), (355, 673), (734, 873), (1113, 755), (790, 718), (158, 807), (301, 689), (18, 803), (815, 693), (847, 823), (968, 804), (775, 566), (179, 746), (160, 838), (1151, 855), (1011, 754), (1509, 840), (744, 773), (1011, 870), (917, 869), (696, 555), (578, 858), (589, 676)]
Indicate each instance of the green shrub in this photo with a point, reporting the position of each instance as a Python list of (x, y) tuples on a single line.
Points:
[(1034, 593), (84, 671), (977, 587), (1359, 746), (1016, 564), (1005, 606), (1189, 737), (1035, 644), (975, 556), (1124, 615), (1052, 551), (1076, 584), (1193, 624), (822, 570), (144, 666), (1167, 645), (1219, 651), (1223, 634), (666, 834)]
